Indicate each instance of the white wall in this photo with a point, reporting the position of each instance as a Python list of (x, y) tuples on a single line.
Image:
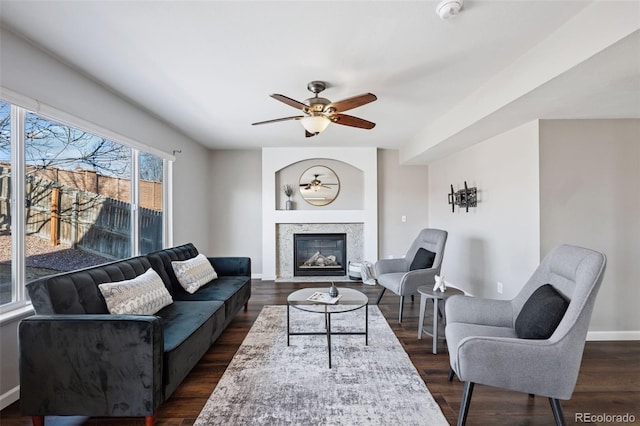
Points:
[(402, 191), (499, 239), (191, 195), (590, 196), (235, 210)]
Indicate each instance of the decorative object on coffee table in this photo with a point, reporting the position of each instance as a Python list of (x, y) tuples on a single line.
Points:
[(333, 290)]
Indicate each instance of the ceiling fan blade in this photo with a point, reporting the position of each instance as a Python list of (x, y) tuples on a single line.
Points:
[(297, 117), (289, 101), (349, 120), (350, 103)]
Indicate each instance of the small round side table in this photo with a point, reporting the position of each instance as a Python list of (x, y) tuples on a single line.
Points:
[(428, 293)]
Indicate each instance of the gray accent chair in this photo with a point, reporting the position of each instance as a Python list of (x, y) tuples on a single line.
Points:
[(395, 274), (484, 347)]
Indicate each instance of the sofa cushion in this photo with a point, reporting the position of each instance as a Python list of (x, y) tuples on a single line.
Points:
[(77, 292), (234, 291), (193, 273), (189, 329), (541, 313), (161, 262), (143, 295), (423, 259)]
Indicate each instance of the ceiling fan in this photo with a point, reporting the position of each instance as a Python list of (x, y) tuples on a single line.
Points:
[(319, 112)]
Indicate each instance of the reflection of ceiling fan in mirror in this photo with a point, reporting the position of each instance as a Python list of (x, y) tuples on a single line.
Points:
[(319, 185), (316, 184), (319, 112)]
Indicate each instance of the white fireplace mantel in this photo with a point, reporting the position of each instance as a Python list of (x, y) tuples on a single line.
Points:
[(275, 159), (317, 216)]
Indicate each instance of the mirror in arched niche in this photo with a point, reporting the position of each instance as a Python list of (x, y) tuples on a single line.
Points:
[(319, 185), (352, 189)]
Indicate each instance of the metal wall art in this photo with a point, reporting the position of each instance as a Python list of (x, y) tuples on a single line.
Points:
[(467, 197)]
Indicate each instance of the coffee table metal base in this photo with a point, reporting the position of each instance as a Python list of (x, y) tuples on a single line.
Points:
[(328, 332)]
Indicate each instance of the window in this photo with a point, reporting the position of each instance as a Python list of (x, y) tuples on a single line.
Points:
[(7, 295), (88, 200), (151, 171)]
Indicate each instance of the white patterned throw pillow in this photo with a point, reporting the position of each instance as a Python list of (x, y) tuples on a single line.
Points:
[(143, 295), (194, 273)]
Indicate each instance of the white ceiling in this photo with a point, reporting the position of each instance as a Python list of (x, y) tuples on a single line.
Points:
[(208, 67)]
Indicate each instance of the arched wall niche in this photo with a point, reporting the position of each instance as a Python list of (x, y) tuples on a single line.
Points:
[(350, 196)]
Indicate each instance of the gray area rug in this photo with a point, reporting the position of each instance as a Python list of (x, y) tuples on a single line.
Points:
[(270, 383)]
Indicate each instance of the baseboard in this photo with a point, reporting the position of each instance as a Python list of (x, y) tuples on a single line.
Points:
[(256, 276), (595, 336), (9, 397)]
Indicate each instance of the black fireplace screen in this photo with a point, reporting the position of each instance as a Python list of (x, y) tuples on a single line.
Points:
[(320, 254)]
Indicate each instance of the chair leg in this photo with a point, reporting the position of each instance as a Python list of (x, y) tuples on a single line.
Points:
[(412, 298), (37, 420), (401, 306), (451, 374), (557, 411), (464, 405), (380, 295)]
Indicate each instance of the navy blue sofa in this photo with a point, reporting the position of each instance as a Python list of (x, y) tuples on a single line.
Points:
[(77, 359)]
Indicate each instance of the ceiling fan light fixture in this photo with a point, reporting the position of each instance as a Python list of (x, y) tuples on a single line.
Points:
[(319, 112), (315, 123)]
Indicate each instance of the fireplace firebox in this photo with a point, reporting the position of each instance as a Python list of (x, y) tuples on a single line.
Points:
[(319, 254)]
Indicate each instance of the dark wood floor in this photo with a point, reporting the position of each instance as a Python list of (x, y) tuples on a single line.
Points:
[(609, 381)]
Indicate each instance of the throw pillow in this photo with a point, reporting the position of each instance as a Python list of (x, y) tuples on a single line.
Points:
[(194, 273), (143, 295), (423, 259), (541, 313)]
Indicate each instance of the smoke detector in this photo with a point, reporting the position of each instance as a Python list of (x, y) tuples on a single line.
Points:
[(448, 8)]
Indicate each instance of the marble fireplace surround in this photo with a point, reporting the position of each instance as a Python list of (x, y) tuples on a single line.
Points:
[(275, 221), (285, 250)]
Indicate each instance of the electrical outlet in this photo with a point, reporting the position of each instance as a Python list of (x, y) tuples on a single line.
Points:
[(499, 288)]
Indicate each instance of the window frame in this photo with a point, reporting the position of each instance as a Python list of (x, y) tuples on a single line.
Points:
[(19, 107)]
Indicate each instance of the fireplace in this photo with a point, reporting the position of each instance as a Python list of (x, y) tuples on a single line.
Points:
[(320, 254)]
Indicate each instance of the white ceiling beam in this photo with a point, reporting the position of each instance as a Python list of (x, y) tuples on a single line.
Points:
[(596, 28)]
